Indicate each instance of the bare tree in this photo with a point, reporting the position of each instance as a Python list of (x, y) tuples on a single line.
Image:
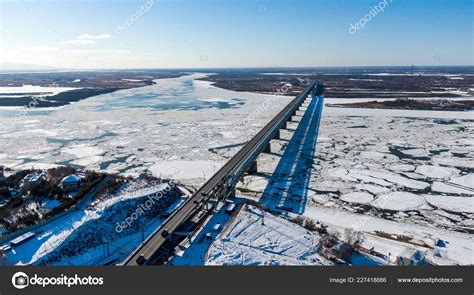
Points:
[(352, 237)]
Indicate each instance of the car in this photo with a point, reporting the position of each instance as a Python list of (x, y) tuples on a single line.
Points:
[(230, 208), (216, 227), (141, 259), (165, 233)]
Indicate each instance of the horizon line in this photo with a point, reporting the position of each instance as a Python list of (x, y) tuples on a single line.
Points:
[(230, 68)]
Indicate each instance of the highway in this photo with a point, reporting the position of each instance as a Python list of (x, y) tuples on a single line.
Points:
[(223, 182)]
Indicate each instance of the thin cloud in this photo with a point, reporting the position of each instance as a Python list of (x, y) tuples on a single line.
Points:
[(98, 51), (45, 48), (79, 41), (94, 37)]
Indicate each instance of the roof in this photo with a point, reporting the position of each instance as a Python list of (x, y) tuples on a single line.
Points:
[(413, 254), (23, 237), (33, 177), (341, 247), (71, 178)]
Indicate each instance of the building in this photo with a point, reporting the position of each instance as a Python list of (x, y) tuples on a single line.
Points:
[(411, 257), (32, 178), (70, 183), (342, 250), (22, 239)]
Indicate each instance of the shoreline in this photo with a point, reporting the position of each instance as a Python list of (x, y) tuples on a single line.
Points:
[(65, 98), (445, 105)]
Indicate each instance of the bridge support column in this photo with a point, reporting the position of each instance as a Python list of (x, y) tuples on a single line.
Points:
[(253, 168), (278, 135), (268, 148)]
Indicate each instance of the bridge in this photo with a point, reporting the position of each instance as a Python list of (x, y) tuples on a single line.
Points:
[(220, 186)]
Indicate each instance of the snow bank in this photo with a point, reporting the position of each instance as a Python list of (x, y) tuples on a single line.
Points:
[(185, 169)]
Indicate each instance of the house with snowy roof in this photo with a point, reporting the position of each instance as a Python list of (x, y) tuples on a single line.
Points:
[(70, 183), (412, 257), (33, 178)]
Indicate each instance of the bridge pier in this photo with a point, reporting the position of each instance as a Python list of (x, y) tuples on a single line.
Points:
[(268, 148), (278, 135), (253, 168), (294, 119)]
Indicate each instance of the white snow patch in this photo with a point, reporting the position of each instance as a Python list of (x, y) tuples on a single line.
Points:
[(82, 151), (442, 187), (399, 201), (357, 197), (436, 171), (453, 204), (276, 242), (185, 169)]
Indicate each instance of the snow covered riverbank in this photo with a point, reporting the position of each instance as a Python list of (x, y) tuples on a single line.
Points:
[(91, 236)]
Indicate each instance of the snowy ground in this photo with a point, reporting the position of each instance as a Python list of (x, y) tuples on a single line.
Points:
[(26, 90), (99, 219), (193, 251), (408, 172), (257, 238)]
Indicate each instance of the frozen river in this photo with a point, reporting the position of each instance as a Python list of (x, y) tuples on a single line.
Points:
[(179, 123), (180, 127)]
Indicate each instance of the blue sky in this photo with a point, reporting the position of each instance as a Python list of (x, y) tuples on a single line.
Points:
[(235, 33)]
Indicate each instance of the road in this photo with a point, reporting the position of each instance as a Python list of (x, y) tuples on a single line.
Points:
[(223, 182)]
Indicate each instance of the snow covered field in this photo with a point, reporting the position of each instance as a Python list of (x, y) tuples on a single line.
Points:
[(26, 90), (277, 241)]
